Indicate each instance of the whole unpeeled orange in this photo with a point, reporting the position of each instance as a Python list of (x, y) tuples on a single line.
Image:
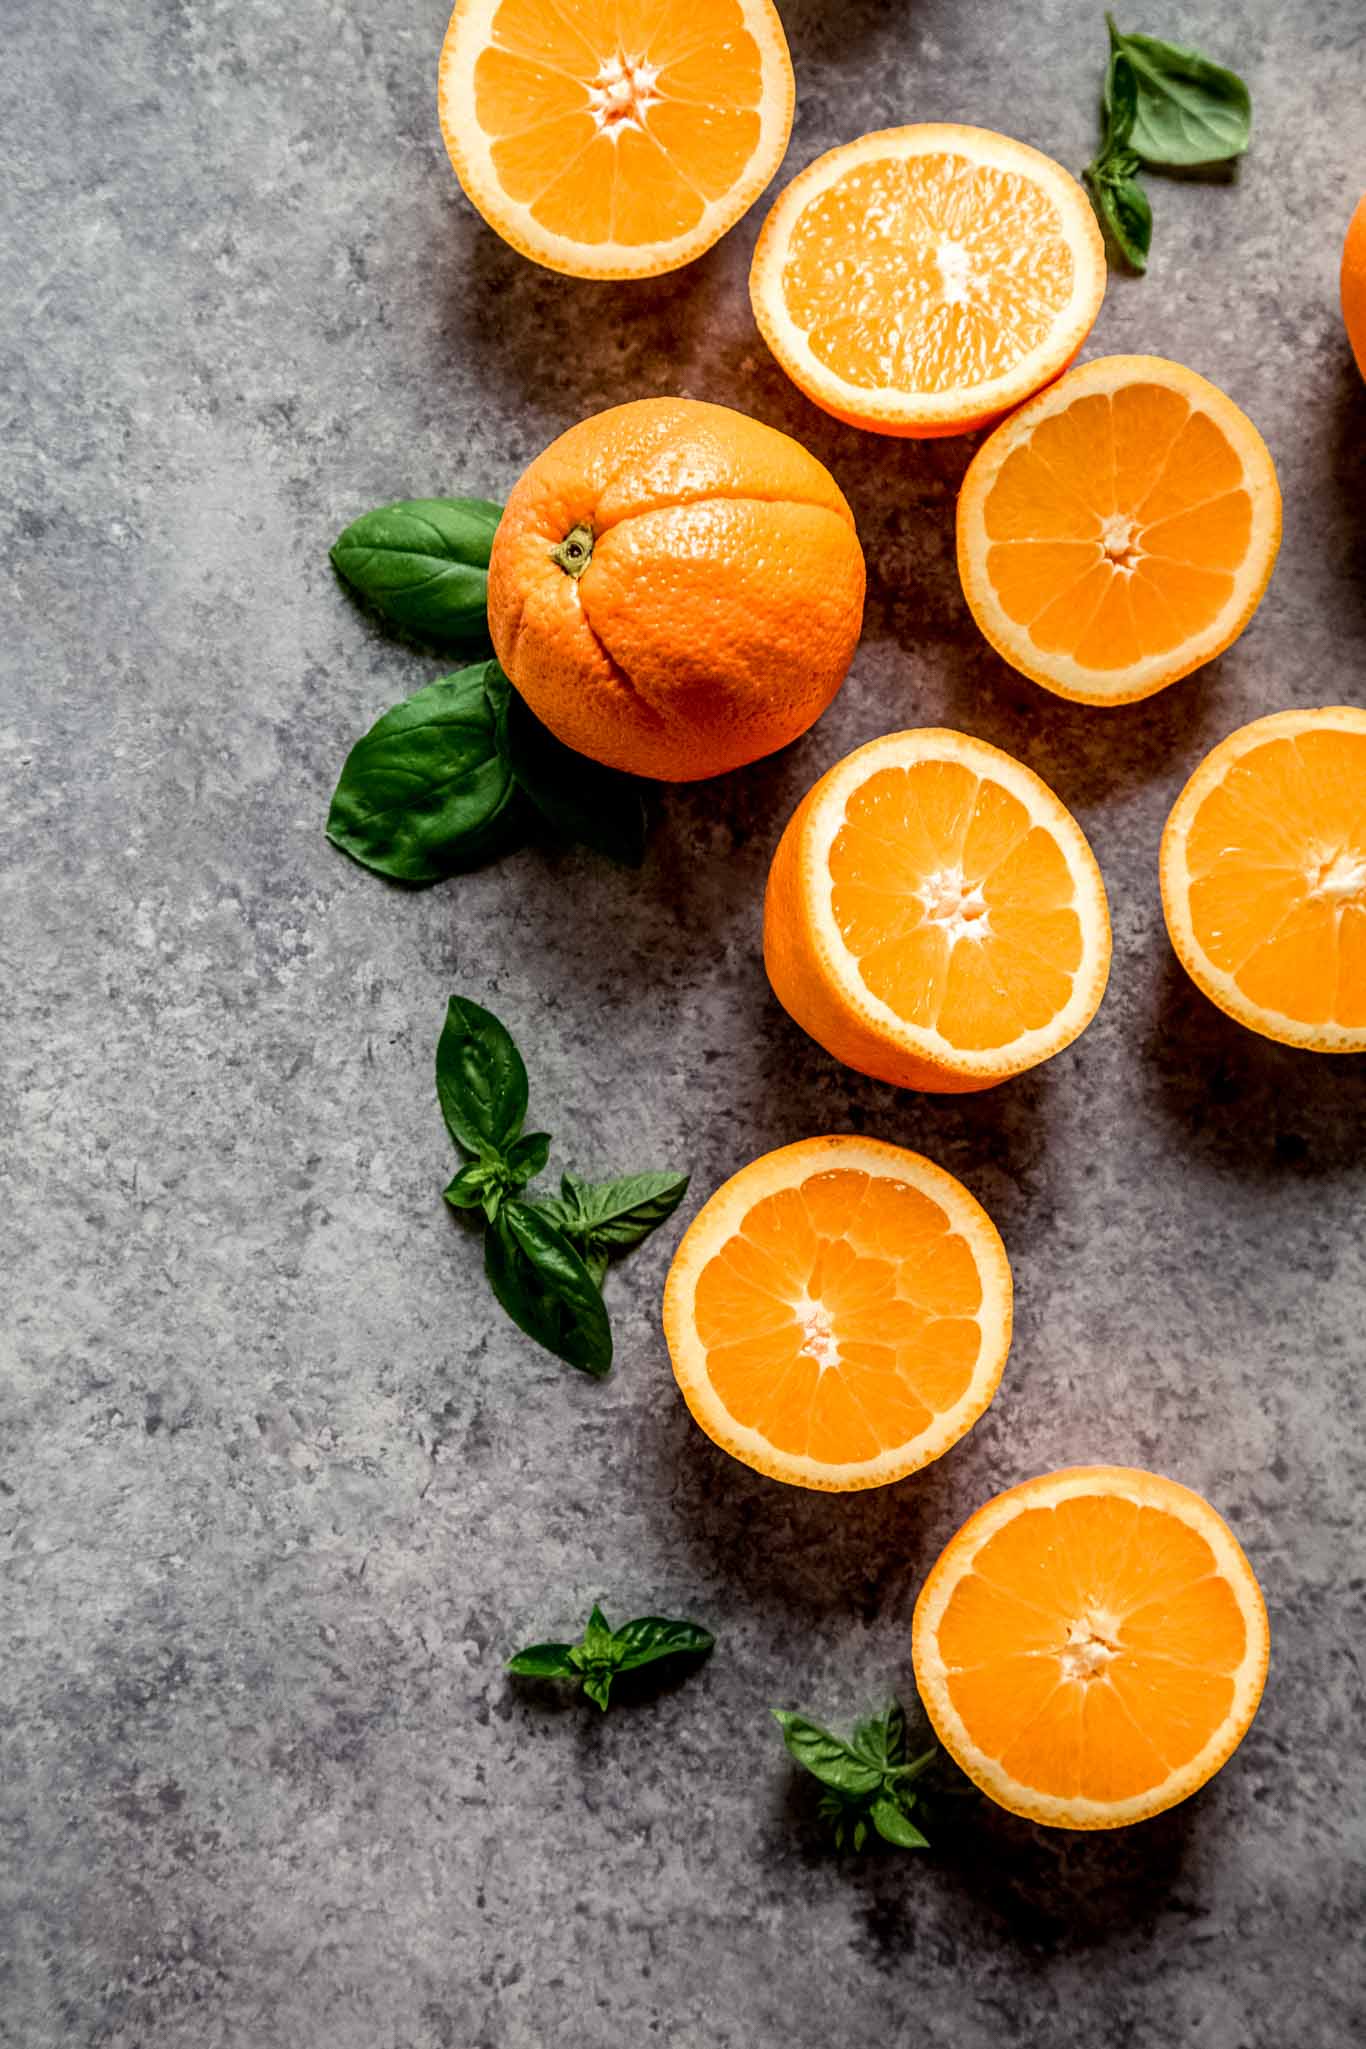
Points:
[(676, 589)]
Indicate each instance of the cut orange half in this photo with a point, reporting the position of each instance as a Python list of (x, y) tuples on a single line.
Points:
[(934, 915), (924, 280), (1119, 530), (614, 138), (1091, 1647), (839, 1313), (1264, 878)]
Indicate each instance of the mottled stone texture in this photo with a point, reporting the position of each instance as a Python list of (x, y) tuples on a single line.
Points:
[(280, 1487)]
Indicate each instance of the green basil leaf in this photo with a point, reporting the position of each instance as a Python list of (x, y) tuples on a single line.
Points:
[(1121, 102), (895, 1826), (542, 1661), (423, 563), (526, 1159), (860, 1833), (596, 1262), (653, 1636), (582, 800), (427, 791), (1189, 109), (881, 1738), (468, 1189), (597, 1639), (598, 1687), (480, 1079), (546, 1289), (826, 1757), (621, 1213), (1124, 214)]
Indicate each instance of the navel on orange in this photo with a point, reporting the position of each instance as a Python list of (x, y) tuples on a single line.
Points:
[(676, 589), (1118, 531), (1091, 1647), (614, 138), (839, 1313), (924, 280), (934, 915), (1264, 877)]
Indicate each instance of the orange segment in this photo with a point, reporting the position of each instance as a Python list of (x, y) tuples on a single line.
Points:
[(922, 280), (614, 138), (1118, 531), (934, 915), (1091, 1646), (1264, 877), (839, 1313)]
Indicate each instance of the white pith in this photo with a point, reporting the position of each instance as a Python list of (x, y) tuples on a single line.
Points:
[(720, 1219), (1120, 542), (902, 750), (627, 83), (890, 404), (956, 905), (1085, 1644), (1337, 873)]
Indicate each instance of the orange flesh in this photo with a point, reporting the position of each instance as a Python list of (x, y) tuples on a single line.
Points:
[(840, 1319), (621, 122), (1116, 528), (1276, 856), (926, 273), (958, 909), (1091, 1647)]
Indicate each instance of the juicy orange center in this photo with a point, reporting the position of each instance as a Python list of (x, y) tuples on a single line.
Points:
[(1091, 1647), (926, 273), (1276, 855), (1117, 528), (621, 119), (842, 1317), (958, 908)]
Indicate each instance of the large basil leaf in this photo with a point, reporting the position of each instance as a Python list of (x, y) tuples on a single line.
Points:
[(543, 1661), (894, 1825), (480, 1079), (581, 799), (545, 1287), (654, 1636), (423, 563), (1189, 110), (611, 1216), (428, 790), (825, 1756)]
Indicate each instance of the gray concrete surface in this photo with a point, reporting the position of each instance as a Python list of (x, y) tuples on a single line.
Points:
[(280, 1487)]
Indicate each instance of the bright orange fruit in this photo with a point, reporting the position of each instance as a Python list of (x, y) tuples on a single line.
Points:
[(1263, 870), (614, 138), (1353, 282), (1119, 530), (1091, 1647), (934, 915), (676, 589), (924, 280), (839, 1313)]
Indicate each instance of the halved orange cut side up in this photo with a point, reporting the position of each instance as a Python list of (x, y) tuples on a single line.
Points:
[(839, 1313), (923, 280), (614, 138), (1119, 530), (1091, 1647), (1264, 878), (934, 915)]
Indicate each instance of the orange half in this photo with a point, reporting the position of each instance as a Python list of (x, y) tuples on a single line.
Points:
[(1118, 531), (614, 138), (934, 915), (923, 280), (839, 1313), (1264, 878), (1091, 1647)]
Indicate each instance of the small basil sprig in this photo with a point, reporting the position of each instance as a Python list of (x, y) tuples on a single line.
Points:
[(602, 1652), (423, 563), (458, 772), (544, 1260), (868, 1781), (1163, 105)]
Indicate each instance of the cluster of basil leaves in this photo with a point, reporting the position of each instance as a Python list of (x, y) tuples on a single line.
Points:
[(461, 771), (870, 1781), (603, 1652), (1164, 106), (545, 1256)]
